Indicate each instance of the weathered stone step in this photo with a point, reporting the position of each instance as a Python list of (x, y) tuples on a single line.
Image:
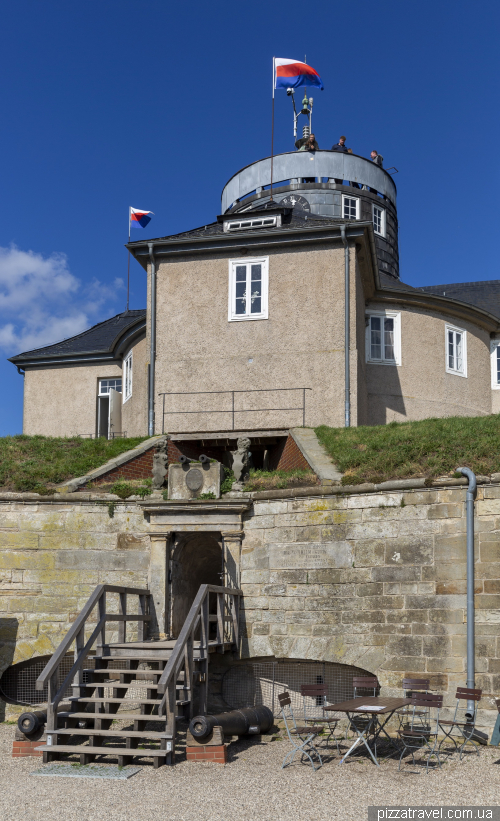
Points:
[(85, 750)]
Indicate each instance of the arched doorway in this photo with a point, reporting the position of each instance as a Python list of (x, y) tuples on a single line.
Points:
[(196, 560)]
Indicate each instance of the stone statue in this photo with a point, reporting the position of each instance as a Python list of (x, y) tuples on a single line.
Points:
[(160, 466), (241, 462)]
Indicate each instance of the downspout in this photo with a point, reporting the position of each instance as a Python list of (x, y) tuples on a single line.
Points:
[(347, 365), (471, 494), (152, 355)]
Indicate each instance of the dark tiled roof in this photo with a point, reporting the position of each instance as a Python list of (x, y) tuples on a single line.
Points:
[(393, 284), (101, 338), (292, 220), (484, 295)]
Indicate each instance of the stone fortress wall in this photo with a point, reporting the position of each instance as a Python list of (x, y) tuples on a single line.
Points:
[(369, 578)]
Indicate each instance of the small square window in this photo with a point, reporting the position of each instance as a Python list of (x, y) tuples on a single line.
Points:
[(127, 373), (383, 339), (248, 287), (378, 216), (456, 350), (350, 208)]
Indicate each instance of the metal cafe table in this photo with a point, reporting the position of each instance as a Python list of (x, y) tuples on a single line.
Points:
[(373, 707)]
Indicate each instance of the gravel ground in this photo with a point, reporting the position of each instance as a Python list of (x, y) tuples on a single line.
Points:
[(251, 786)]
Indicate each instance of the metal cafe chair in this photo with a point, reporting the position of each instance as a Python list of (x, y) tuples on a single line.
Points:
[(314, 701), (363, 686), (463, 722), (411, 687), (301, 738), (417, 736)]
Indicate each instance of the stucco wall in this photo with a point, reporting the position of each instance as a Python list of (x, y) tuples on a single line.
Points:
[(420, 387), (301, 344), (135, 409), (62, 401)]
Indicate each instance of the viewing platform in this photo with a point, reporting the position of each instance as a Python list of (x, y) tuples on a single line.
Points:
[(295, 168)]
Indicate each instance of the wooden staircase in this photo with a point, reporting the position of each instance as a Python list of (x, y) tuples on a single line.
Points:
[(156, 678)]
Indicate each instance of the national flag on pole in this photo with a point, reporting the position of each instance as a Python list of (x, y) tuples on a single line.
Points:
[(139, 218), (292, 74)]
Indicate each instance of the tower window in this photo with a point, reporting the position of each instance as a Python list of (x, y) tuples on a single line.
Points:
[(350, 208), (378, 216), (127, 371), (456, 351), (248, 288), (383, 338)]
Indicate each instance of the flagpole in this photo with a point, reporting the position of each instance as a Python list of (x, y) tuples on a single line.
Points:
[(128, 269), (272, 130)]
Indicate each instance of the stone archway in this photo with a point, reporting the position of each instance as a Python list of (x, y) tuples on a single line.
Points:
[(196, 560)]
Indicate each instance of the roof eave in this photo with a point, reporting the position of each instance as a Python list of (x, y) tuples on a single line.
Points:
[(274, 237), (454, 307)]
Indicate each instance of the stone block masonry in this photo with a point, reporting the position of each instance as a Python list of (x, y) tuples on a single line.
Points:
[(376, 580), (372, 579)]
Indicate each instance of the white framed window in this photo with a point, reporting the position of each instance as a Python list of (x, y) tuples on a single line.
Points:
[(127, 376), (456, 350), (105, 385), (248, 289), (495, 364), (378, 218), (350, 207), (383, 338)]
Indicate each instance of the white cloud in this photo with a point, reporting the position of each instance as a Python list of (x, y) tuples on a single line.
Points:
[(42, 302)]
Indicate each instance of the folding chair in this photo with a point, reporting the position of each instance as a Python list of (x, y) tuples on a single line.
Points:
[(464, 727), (300, 737), (315, 701), (415, 735), (370, 686), (411, 687)]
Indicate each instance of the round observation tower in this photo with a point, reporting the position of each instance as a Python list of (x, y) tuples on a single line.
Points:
[(324, 183)]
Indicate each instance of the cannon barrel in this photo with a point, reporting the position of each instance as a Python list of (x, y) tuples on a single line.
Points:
[(248, 721), (29, 723)]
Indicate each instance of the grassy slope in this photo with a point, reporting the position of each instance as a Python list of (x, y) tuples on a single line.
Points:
[(430, 448), (30, 461)]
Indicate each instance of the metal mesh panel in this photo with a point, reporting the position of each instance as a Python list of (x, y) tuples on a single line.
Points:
[(255, 683), (17, 684)]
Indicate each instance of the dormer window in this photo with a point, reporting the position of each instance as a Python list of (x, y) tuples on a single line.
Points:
[(249, 224)]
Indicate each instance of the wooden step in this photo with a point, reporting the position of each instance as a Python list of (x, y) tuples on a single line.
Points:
[(168, 644), (113, 716), (107, 700), (124, 672), (115, 683), (113, 733), (85, 750)]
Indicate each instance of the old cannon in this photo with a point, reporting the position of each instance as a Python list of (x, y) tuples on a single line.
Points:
[(30, 723), (248, 721)]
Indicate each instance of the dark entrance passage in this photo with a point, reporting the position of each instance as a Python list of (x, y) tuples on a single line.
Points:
[(196, 560)]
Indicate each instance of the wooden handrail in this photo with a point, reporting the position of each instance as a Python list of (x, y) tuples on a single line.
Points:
[(53, 664), (177, 657)]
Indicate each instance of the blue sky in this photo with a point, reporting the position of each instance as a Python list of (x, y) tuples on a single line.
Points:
[(155, 105)]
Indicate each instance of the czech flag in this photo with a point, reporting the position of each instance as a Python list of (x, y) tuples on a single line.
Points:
[(139, 218), (292, 74)]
